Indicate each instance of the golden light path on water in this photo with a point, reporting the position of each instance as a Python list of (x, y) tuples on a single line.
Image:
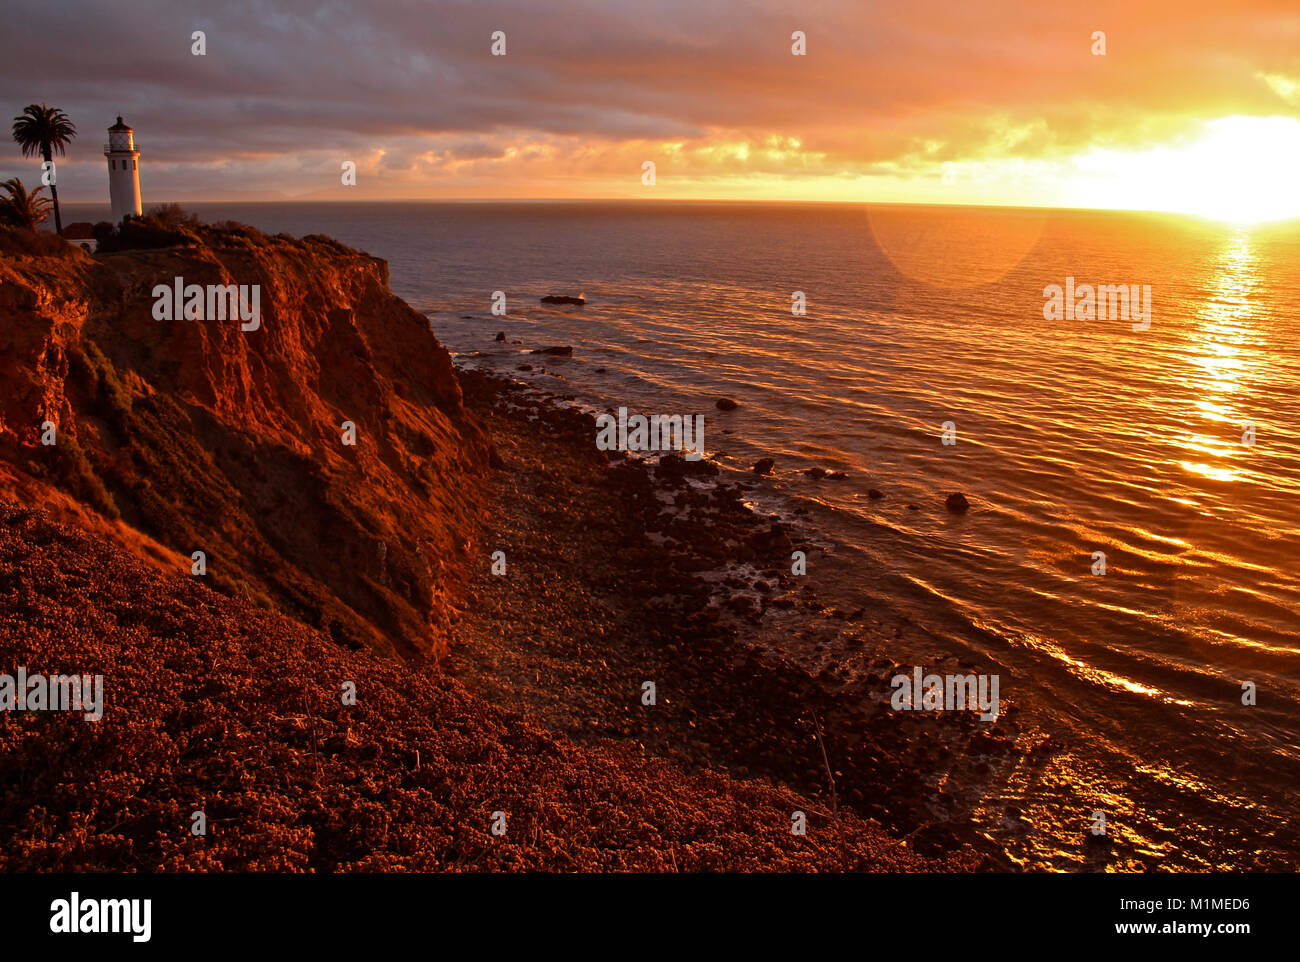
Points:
[(1220, 353), (1224, 355)]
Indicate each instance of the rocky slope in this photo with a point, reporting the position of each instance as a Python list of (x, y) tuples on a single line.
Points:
[(194, 435), (235, 712)]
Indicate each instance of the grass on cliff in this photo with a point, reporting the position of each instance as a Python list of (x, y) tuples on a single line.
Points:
[(164, 226), (21, 241), (169, 225)]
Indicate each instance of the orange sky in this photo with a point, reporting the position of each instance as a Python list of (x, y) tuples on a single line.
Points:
[(1194, 106)]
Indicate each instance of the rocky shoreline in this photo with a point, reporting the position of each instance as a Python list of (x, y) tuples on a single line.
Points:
[(235, 526), (621, 571)]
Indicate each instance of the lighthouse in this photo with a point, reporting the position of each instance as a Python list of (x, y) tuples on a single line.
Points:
[(123, 171)]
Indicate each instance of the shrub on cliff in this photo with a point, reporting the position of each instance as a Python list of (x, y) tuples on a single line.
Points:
[(172, 215), (146, 234), (74, 470), (37, 243), (109, 398), (167, 225), (105, 234), (232, 234), (328, 242)]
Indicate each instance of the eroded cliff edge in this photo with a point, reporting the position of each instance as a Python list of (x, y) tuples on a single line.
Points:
[(176, 436)]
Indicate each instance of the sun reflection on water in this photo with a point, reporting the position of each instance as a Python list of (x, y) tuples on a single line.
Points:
[(1223, 355)]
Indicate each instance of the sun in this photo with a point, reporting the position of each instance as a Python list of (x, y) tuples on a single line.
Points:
[(1241, 170)]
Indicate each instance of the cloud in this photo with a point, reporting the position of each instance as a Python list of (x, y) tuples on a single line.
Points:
[(1288, 88), (589, 89)]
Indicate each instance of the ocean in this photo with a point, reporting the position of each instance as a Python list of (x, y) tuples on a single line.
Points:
[(1174, 450)]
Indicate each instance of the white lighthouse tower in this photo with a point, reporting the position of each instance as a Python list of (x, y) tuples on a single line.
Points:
[(123, 172)]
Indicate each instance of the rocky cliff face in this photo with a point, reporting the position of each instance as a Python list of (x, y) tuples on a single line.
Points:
[(177, 436)]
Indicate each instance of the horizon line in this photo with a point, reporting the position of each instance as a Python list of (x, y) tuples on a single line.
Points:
[(695, 200)]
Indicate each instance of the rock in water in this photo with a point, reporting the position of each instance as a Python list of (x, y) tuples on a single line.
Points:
[(564, 299), (875, 494), (673, 468), (764, 465), (726, 404), (501, 335), (557, 351), (957, 503)]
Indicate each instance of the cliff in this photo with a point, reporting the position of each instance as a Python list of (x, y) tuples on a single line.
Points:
[(177, 436), (273, 704)]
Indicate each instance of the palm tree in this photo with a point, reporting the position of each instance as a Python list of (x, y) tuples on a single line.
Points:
[(21, 209), (45, 130)]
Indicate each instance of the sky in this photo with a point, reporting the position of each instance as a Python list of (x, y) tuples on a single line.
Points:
[(1193, 106)]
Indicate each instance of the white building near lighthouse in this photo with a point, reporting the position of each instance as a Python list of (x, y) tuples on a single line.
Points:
[(123, 172)]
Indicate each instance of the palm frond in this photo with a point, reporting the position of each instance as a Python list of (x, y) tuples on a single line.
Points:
[(39, 129), (20, 208)]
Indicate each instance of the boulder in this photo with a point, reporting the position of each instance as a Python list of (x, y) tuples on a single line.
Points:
[(674, 467), (957, 503)]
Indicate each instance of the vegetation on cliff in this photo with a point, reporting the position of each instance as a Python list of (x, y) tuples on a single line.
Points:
[(202, 436)]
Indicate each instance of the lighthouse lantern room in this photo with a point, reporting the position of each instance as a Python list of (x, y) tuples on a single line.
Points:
[(123, 172)]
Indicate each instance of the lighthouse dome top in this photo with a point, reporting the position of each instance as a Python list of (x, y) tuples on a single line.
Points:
[(121, 138)]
